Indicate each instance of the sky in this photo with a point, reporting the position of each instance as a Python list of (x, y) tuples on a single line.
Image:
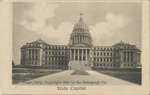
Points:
[(108, 22)]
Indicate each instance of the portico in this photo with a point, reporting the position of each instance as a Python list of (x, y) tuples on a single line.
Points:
[(79, 54)]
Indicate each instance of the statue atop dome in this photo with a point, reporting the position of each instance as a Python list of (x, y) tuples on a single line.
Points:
[(81, 19)]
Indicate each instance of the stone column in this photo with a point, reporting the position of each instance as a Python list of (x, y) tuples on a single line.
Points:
[(86, 54), (74, 39), (27, 54), (86, 38), (70, 54), (35, 53), (132, 56), (126, 56), (78, 54), (74, 54), (31, 54), (129, 56), (38, 54), (82, 55), (83, 38), (139, 57)]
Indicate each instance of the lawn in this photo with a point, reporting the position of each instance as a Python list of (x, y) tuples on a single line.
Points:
[(131, 75), (25, 74)]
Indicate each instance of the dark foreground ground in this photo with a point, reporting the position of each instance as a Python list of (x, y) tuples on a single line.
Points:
[(20, 74), (25, 74), (131, 75)]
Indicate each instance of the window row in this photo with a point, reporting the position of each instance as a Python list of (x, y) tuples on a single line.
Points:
[(128, 65), (79, 30), (56, 52), (55, 47), (56, 58), (33, 45), (101, 64), (128, 47), (33, 62), (104, 59), (104, 53), (54, 63), (104, 48)]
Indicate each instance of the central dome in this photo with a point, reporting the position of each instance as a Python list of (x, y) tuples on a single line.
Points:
[(80, 34), (80, 25)]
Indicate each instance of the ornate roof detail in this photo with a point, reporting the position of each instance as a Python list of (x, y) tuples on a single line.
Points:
[(40, 41), (121, 43)]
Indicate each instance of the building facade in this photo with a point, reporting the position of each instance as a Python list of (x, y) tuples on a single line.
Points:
[(80, 53)]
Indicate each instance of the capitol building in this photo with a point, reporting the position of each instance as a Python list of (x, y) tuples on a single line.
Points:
[(80, 53)]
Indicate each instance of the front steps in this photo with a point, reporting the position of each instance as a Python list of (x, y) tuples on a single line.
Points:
[(78, 65)]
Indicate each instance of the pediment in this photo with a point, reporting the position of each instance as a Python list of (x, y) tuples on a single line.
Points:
[(80, 45)]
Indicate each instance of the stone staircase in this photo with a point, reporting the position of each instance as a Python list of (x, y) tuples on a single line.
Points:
[(78, 65)]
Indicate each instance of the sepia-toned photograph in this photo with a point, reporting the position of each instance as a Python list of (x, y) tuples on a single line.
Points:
[(76, 43), (74, 47)]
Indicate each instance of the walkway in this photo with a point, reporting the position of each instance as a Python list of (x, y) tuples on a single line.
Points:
[(65, 78)]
